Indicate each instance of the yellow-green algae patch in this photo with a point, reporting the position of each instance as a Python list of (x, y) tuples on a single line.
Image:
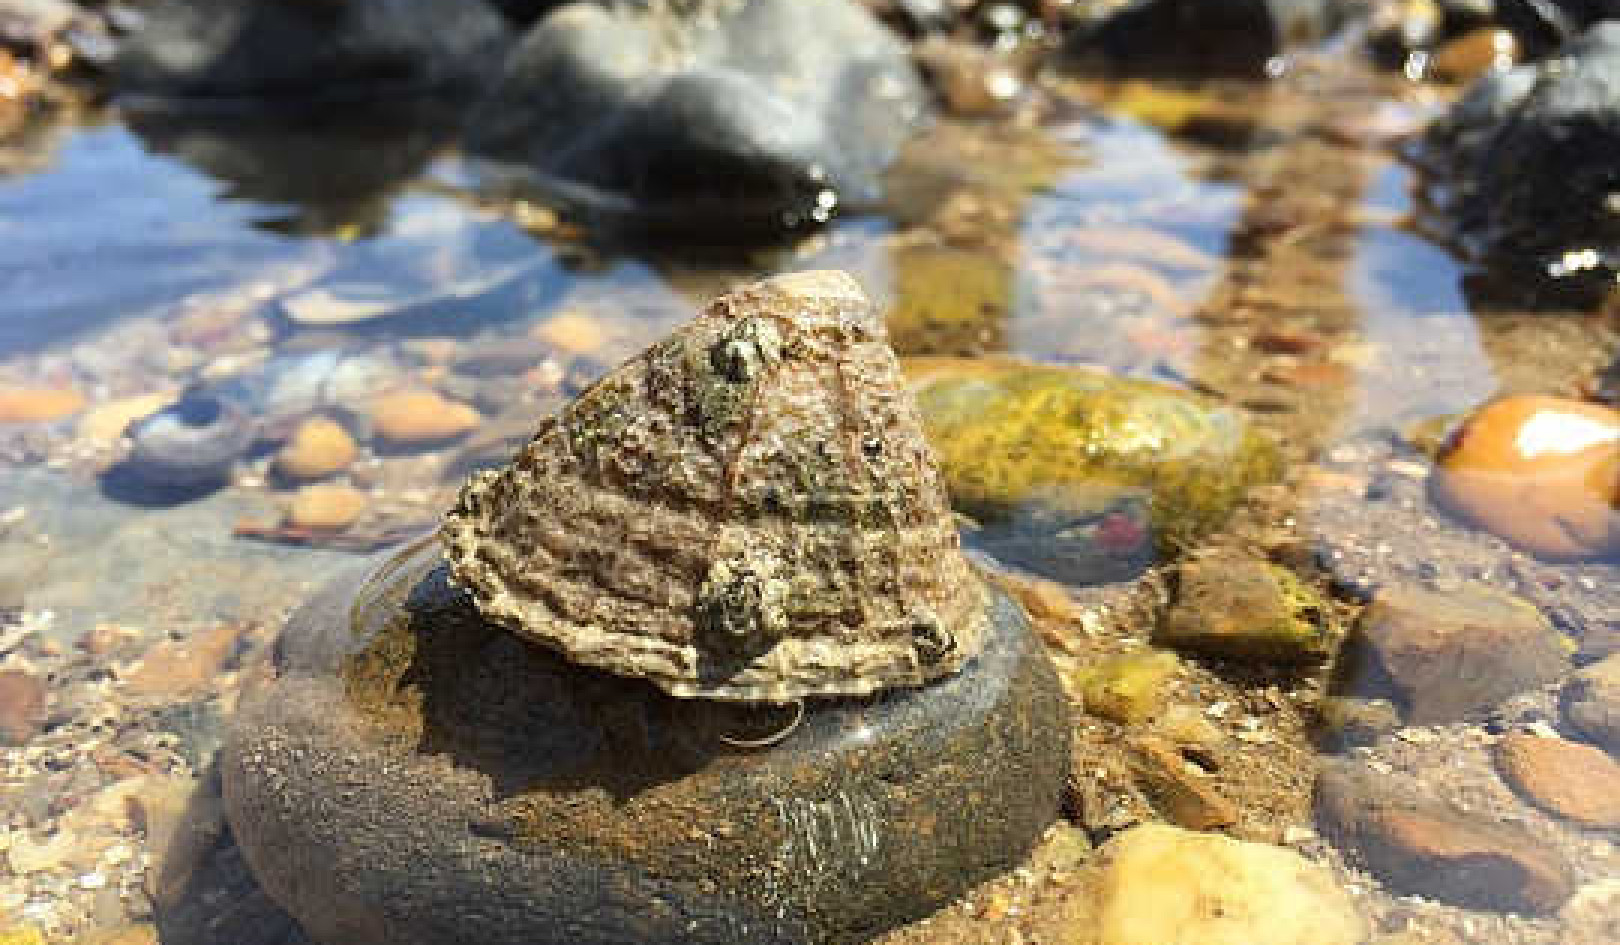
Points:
[(1058, 465)]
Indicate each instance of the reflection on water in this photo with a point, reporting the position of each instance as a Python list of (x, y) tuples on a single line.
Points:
[(384, 321)]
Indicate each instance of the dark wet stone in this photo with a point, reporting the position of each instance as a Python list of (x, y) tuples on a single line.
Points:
[(1543, 25), (190, 444), (420, 776), (1421, 847), (1199, 37), (1524, 170), (275, 49), (754, 115), (1447, 655)]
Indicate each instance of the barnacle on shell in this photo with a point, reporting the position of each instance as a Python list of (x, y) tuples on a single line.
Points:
[(746, 511)]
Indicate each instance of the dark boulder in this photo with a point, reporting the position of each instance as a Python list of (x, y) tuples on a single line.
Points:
[(1198, 37), (305, 49), (1524, 168), (1543, 25), (730, 112)]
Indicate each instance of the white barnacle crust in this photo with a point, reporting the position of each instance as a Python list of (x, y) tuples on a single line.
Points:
[(746, 511)]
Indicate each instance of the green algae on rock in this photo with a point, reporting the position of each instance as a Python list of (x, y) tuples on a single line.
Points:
[(1081, 475), (1235, 605)]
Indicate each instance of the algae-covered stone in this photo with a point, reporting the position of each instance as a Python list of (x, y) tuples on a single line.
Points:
[(948, 301), (1130, 688), (1235, 605), (1081, 475)]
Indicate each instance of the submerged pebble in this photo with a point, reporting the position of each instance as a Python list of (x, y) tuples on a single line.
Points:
[(1542, 472), (326, 507), (1447, 655), (1569, 779), (193, 442), (38, 404), (1591, 702), (320, 447), (420, 418), (1161, 884), (1232, 604)]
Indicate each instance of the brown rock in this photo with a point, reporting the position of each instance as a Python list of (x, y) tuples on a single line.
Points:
[(1445, 655), (326, 507), (1177, 790), (1591, 701), (38, 404), (417, 418), (1231, 604), (1474, 53), (1422, 847), (1569, 779), (1541, 472), (175, 669), (320, 447), (22, 706)]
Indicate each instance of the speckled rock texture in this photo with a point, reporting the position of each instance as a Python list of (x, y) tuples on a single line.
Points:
[(747, 511), (411, 774)]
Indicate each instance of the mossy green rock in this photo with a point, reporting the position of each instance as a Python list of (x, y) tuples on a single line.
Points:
[(1131, 688), (1231, 604), (1079, 474)]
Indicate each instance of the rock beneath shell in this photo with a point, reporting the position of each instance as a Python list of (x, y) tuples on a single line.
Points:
[(1567, 778), (1445, 655), (415, 775), (1161, 884), (1423, 847), (746, 511)]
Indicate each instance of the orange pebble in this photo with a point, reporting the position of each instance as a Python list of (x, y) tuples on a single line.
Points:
[(1541, 472), (38, 404)]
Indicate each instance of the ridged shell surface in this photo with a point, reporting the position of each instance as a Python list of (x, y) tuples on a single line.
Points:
[(746, 511)]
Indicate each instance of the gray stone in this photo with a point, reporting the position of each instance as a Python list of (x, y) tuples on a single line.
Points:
[(282, 49), (415, 775), (1591, 703), (679, 114), (1199, 37)]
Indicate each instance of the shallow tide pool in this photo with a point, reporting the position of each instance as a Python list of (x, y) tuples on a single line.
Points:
[(381, 323)]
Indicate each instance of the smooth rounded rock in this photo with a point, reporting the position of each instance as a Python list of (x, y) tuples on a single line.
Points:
[(1541, 472), (191, 443), (411, 774), (320, 447)]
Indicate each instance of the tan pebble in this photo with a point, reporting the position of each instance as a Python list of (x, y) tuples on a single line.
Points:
[(1160, 884), (1572, 780), (572, 332), (106, 422), (177, 668), (129, 935), (38, 404), (319, 447), (327, 507), (414, 418)]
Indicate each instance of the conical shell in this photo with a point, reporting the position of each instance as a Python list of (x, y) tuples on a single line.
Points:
[(746, 511)]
